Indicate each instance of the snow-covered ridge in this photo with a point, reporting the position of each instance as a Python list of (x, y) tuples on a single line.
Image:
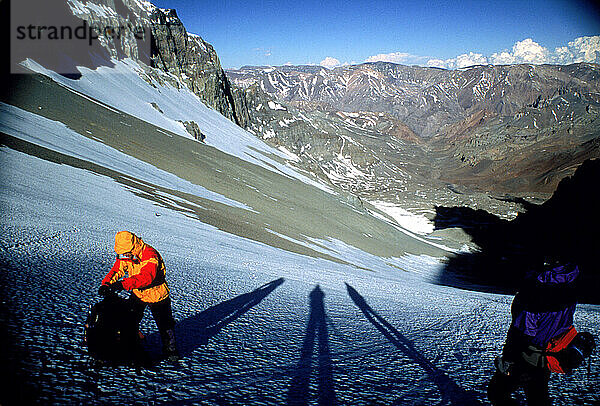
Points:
[(122, 87), (100, 10)]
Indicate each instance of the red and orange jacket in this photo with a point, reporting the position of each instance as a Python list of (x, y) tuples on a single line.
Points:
[(146, 274)]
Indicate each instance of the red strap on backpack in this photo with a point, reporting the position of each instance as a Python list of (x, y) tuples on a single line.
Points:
[(557, 344)]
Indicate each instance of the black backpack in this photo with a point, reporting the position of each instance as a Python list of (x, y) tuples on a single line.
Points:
[(111, 332)]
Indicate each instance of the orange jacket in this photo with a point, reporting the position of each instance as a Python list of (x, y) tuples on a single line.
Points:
[(146, 273)]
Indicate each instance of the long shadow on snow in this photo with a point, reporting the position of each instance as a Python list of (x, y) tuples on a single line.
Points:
[(565, 227), (451, 393), (316, 329), (196, 330)]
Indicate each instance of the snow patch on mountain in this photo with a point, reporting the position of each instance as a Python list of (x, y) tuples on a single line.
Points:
[(416, 223), (275, 106)]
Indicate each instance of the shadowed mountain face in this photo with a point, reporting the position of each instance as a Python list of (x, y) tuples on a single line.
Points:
[(564, 228)]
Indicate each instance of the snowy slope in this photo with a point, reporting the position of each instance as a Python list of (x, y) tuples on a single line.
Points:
[(380, 339), (257, 324), (123, 88)]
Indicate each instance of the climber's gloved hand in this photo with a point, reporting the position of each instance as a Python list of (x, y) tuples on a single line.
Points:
[(116, 287), (104, 290)]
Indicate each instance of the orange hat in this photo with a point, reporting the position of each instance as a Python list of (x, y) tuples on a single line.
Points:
[(124, 242)]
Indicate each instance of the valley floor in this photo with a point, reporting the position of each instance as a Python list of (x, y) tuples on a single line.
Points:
[(256, 324)]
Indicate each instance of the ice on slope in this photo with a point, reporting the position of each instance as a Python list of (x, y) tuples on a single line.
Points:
[(122, 88), (384, 338), (58, 137)]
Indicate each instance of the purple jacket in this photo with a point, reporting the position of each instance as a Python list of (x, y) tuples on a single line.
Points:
[(544, 308)]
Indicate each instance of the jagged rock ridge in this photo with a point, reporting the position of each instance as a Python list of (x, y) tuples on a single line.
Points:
[(172, 49)]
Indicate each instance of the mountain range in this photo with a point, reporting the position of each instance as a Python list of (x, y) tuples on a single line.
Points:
[(509, 129), (367, 128)]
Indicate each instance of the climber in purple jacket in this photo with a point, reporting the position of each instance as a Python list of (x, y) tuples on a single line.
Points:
[(541, 310)]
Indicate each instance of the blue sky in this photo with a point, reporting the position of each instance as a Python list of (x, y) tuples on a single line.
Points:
[(268, 32)]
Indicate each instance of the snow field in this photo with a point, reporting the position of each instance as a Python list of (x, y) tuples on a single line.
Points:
[(240, 345)]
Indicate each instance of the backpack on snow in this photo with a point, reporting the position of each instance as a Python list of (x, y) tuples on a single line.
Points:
[(111, 332), (568, 351)]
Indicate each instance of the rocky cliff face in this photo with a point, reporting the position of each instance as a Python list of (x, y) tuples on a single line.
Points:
[(195, 61), (169, 48)]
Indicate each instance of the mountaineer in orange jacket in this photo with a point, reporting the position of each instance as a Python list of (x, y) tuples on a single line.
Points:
[(146, 280)]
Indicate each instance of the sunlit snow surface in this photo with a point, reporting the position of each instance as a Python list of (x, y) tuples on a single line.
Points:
[(388, 338), (416, 223)]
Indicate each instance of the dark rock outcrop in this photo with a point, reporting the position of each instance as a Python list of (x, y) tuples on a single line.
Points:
[(564, 228), (167, 47), (192, 128), (193, 60)]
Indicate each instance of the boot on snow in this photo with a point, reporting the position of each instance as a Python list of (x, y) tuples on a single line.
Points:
[(169, 348)]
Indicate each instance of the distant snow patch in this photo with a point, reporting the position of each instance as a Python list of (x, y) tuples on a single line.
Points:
[(275, 106), (289, 154), (413, 222)]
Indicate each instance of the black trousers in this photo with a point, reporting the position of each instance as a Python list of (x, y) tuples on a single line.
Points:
[(161, 311), (534, 382)]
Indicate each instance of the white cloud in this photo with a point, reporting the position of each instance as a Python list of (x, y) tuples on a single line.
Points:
[(330, 62), (397, 57), (503, 58), (526, 51), (582, 49), (461, 61), (436, 63)]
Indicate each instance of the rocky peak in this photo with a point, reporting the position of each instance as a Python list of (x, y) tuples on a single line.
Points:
[(171, 48)]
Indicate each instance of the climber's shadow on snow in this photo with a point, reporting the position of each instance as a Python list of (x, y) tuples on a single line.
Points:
[(451, 393), (565, 228), (195, 331), (298, 393)]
